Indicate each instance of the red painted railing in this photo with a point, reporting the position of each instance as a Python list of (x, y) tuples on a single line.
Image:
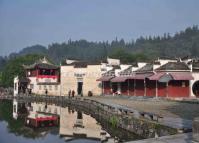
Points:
[(47, 76)]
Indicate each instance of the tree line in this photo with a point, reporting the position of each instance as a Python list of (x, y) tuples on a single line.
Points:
[(183, 43)]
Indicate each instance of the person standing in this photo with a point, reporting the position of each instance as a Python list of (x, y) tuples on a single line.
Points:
[(73, 93), (69, 93), (46, 92)]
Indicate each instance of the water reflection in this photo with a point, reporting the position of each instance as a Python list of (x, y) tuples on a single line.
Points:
[(75, 124), (72, 124), (37, 122)]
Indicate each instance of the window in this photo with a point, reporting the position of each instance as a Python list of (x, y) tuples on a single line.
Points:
[(45, 87), (39, 87), (56, 87), (50, 87)]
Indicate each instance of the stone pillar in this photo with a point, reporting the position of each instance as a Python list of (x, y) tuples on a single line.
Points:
[(156, 88), (119, 88), (196, 130)]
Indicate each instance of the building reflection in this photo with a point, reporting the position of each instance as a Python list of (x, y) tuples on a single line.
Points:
[(78, 125), (72, 124), (19, 109)]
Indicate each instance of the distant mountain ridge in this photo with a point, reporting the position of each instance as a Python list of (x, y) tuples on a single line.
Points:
[(181, 44), (35, 49)]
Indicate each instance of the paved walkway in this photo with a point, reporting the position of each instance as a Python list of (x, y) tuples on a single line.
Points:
[(180, 138), (166, 108)]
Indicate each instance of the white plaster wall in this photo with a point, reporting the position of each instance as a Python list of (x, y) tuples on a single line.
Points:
[(108, 68), (90, 75), (123, 67), (90, 84), (37, 90), (34, 83), (156, 66), (164, 61), (141, 64), (43, 80), (113, 61), (135, 68), (68, 80), (117, 72), (16, 84), (51, 91)]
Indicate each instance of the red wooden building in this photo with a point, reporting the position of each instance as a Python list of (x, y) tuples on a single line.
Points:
[(169, 80), (43, 76), (173, 80)]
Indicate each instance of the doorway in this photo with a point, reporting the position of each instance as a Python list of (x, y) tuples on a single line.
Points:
[(79, 88)]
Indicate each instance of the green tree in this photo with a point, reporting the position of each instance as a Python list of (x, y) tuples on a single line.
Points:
[(14, 67), (127, 57)]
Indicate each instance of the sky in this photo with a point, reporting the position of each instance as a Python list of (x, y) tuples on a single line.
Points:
[(28, 22)]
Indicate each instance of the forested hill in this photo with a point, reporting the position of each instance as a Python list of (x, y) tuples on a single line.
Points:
[(181, 44)]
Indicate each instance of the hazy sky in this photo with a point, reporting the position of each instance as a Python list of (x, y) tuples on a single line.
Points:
[(27, 22)]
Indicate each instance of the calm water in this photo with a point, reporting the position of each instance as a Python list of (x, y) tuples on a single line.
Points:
[(45, 123)]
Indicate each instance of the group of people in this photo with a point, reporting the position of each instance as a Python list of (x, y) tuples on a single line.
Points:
[(71, 93)]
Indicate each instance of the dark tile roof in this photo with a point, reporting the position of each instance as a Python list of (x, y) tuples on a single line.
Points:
[(134, 64), (156, 63), (82, 64), (42, 66), (167, 58), (24, 80), (173, 66), (127, 71), (185, 58), (109, 73), (104, 61), (116, 67), (146, 68), (195, 65), (47, 66)]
